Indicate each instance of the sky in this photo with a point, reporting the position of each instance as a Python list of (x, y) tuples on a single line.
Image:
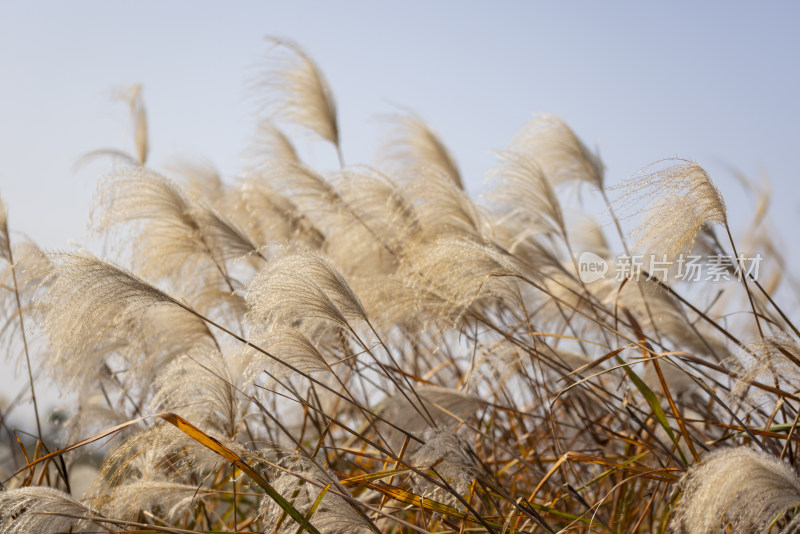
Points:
[(713, 81)]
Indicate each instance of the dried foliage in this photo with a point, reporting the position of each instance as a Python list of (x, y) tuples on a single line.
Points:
[(377, 351)]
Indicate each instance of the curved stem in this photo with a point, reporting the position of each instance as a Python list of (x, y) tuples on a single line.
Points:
[(22, 330)]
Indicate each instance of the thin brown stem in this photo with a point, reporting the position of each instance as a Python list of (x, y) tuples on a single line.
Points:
[(10, 253)]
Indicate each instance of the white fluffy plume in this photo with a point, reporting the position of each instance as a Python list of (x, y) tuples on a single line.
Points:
[(737, 490), (412, 145), (682, 200), (295, 91), (549, 141), (301, 286), (43, 511)]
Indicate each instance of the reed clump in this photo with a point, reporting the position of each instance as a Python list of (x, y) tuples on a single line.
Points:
[(372, 349)]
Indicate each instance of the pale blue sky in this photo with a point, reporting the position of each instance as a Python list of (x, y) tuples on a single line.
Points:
[(714, 81)]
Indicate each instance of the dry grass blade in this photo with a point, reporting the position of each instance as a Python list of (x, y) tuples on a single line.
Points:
[(214, 445), (4, 239)]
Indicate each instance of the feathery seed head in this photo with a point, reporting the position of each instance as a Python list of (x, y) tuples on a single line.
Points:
[(42, 510), (300, 286), (270, 144), (93, 310), (550, 142), (737, 490), (525, 188), (448, 455), (412, 145), (301, 481), (296, 92), (682, 201)]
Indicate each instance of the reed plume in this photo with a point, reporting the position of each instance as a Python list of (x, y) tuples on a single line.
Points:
[(294, 90), (680, 200), (740, 490), (412, 145), (563, 157), (38, 509)]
